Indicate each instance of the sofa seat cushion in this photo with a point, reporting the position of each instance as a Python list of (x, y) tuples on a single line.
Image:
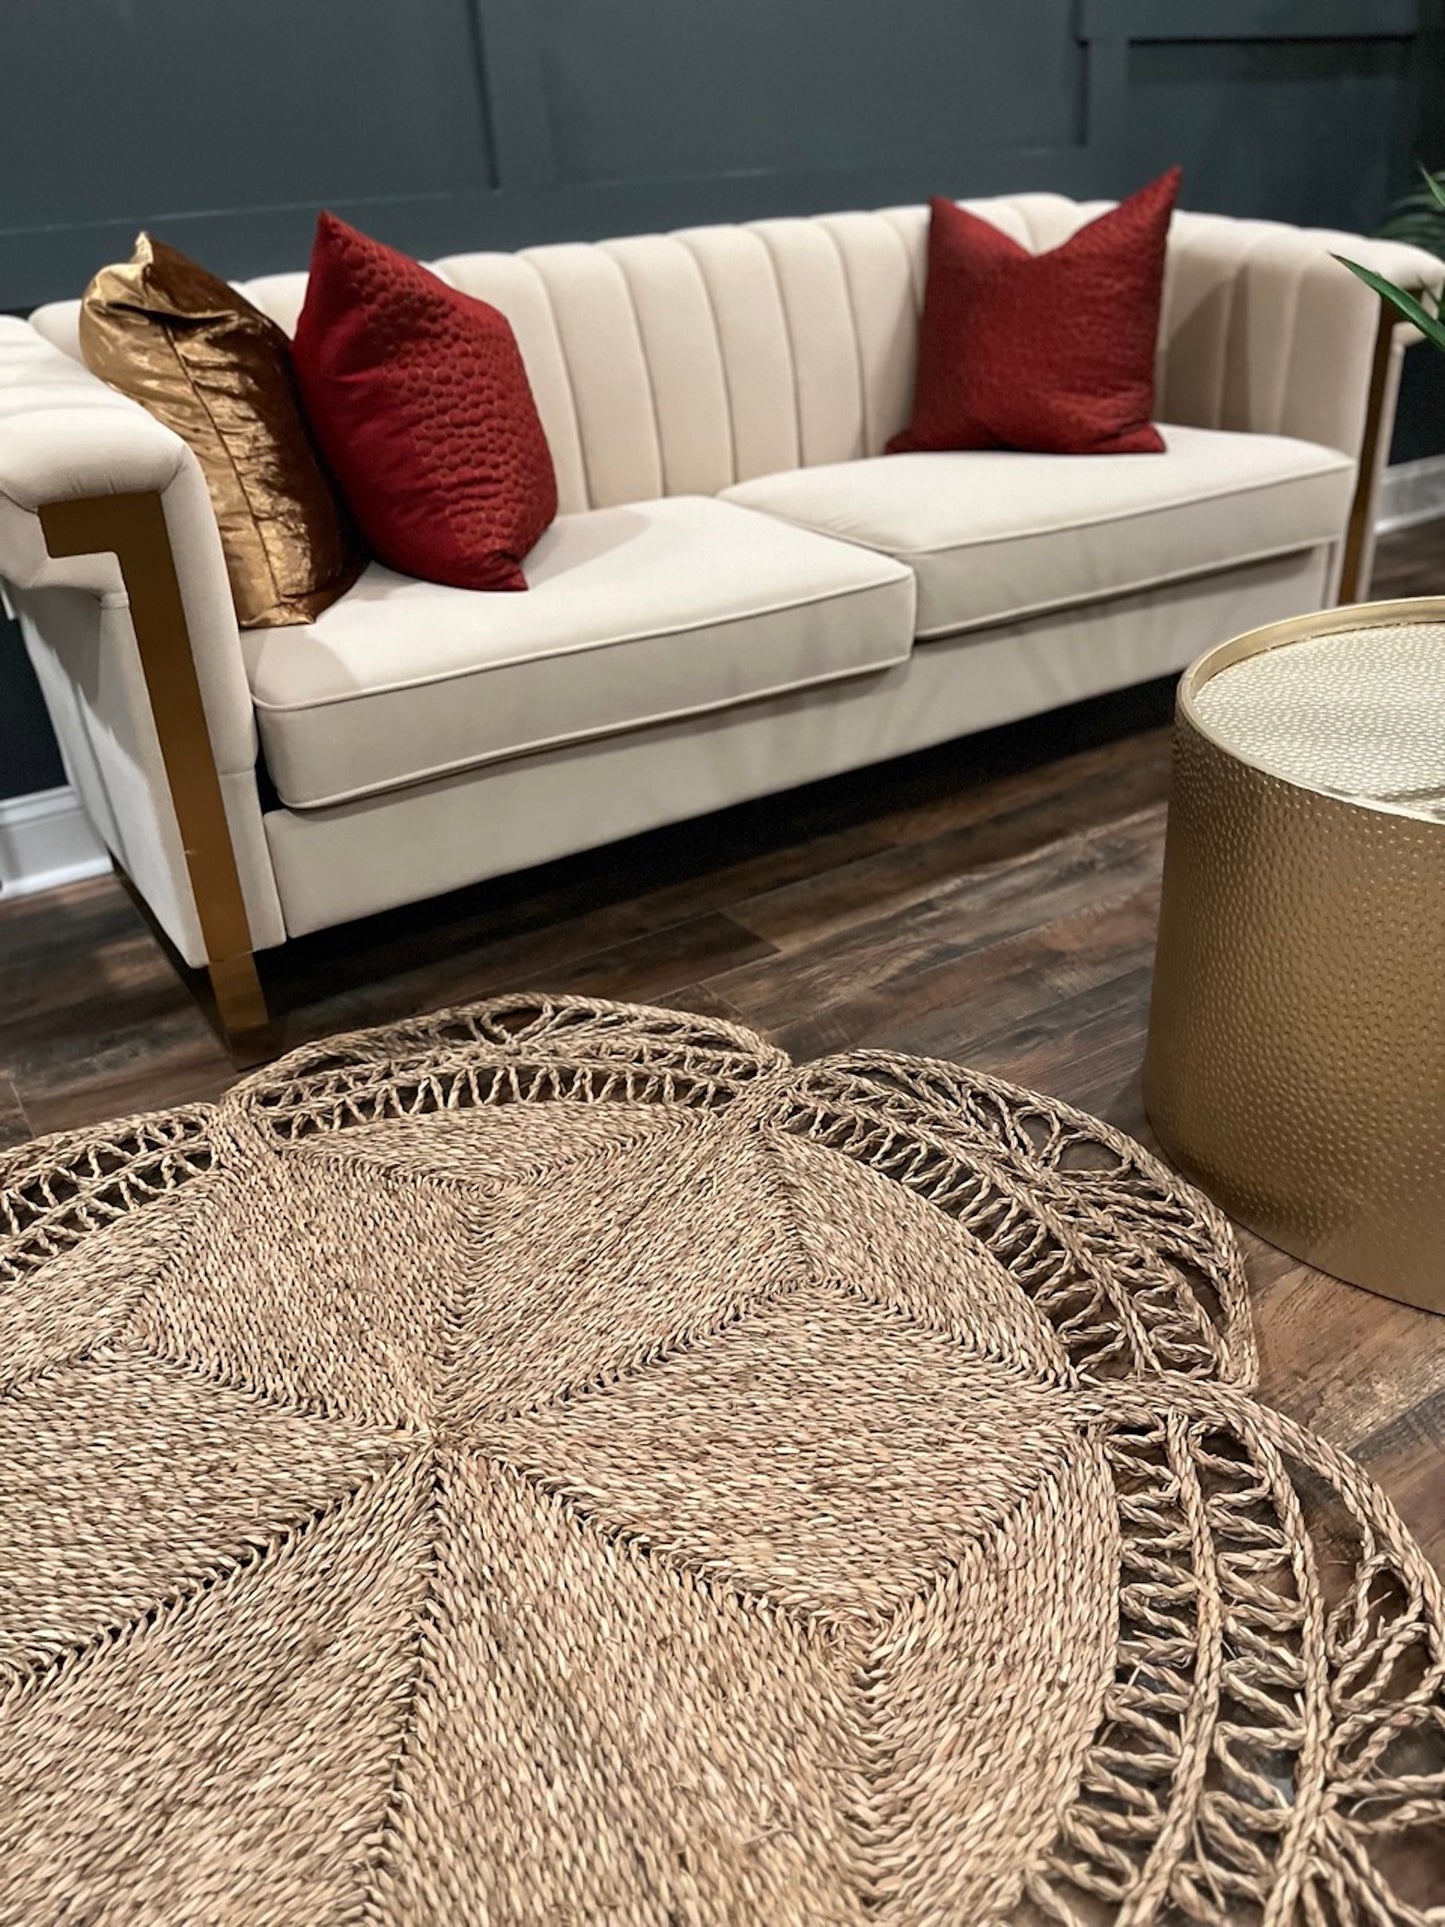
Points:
[(993, 534), (635, 615)]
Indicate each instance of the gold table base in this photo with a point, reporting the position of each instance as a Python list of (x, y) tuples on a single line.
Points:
[(1296, 1057)]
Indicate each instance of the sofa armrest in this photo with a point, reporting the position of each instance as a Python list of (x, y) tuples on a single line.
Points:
[(1264, 330), (111, 550), (64, 437)]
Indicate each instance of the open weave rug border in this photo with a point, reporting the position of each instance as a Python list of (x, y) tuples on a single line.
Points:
[(1261, 1736)]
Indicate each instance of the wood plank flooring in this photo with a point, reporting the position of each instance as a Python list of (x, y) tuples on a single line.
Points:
[(992, 902)]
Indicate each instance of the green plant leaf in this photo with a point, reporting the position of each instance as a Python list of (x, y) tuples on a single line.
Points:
[(1429, 325), (1419, 216), (1418, 230), (1417, 204)]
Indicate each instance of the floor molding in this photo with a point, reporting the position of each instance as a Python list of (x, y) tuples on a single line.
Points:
[(46, 840), (1411, 492)]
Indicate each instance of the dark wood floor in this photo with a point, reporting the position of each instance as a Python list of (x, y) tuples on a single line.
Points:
[(992, 902)]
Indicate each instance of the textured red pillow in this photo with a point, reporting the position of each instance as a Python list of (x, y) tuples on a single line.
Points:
[(1050, 352), (421, 404)]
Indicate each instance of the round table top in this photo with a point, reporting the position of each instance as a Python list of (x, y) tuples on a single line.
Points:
[(1356, 712)]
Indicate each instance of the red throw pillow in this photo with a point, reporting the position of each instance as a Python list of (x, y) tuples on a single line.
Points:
[(421, 404), (1049, 352)]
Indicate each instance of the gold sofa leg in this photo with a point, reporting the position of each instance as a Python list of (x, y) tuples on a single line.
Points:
[(240, 1001), (1362, 509), (133, 527)]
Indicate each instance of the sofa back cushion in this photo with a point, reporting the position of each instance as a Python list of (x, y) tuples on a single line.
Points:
[(680, 364), (683, 363)]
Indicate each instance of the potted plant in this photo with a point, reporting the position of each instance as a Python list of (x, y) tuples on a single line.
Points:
[(1418, 218)]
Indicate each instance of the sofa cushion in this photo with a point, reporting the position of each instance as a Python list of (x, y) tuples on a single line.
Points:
[(636, 615), (1052, 351), (200, 358), (993, 534), (418, 395)]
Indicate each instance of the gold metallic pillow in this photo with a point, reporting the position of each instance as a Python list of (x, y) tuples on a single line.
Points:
[(209, 365)]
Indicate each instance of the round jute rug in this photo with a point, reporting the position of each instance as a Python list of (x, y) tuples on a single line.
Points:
[(557, 1462)]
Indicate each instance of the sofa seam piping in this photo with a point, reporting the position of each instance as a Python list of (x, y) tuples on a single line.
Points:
[(595, 647), (605, 734)]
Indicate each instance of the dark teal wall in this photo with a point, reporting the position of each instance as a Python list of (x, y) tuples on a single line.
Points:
[(447, 124)]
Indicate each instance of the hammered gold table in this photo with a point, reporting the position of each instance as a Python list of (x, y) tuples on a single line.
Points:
[(1296, 1057)]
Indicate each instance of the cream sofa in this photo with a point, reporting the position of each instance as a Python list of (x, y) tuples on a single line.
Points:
[(741, 591)]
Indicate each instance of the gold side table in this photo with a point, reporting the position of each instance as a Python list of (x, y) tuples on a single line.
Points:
[(1296, 1058)]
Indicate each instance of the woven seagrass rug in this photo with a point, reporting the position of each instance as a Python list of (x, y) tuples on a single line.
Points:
[(561, 1462)]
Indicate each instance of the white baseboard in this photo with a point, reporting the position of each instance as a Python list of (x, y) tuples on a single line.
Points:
[(45, 840), (1411, 492)]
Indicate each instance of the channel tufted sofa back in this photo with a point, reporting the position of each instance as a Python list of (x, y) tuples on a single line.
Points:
[(680, 364)]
